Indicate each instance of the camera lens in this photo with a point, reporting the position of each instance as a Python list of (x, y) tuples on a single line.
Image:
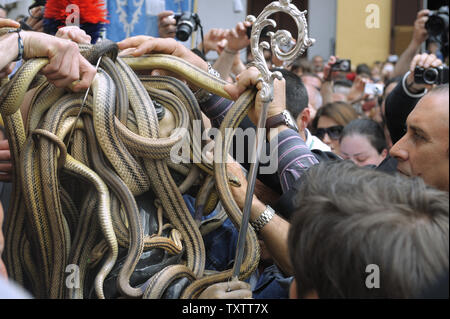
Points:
[(344, 66), (184, 31), (430, 76), (435, 25)]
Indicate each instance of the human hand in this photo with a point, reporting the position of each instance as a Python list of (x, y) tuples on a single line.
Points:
[(237, 38), (140, 45), (167, 25), (74, 33), (357, 90), (7, 70), (327, 73), (250, 78), (425, 61), (215, 40), (66, 64), (36, 19), (234, 169), (5, 161), (420, 33), (8, 23), (227, 290)]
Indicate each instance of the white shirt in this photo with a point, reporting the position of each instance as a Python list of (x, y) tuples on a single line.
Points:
[(314, 143)]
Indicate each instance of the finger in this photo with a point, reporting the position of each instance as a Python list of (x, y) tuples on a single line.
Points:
[(39, 25), (5, 155), (4, 145), (239, 294), (428, 60), (9, 23), (87, 72), (133, 42), (237, 284), (436, 63), (246, 79), (164, 14), (167, 46), (5, 167), (416, 61), (422, 13)]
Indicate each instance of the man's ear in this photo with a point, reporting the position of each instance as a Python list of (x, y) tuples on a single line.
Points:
[(303, 119)]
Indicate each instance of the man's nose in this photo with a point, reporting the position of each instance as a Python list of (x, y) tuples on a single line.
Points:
[(399, 152)]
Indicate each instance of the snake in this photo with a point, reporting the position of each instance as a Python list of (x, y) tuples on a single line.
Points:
[(119, 119)]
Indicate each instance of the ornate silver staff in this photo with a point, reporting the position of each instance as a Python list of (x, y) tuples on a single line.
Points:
[(278, 39)]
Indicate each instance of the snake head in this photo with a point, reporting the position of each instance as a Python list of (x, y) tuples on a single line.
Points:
[(103, 48)]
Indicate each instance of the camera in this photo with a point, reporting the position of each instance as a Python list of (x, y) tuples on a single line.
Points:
[(437, 23), (437, 75), (437, 28), (342, 66), (374, 89), (186, 23)]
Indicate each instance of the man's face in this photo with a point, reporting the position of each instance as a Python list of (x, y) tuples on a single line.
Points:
[(312, 80), (423, 150), (3, 14), (318, 63)]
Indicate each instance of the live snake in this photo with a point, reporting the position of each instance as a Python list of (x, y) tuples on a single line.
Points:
[(119, 153)]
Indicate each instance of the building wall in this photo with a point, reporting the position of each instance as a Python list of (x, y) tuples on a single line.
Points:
[(220, 14), (355, 40), (324, 33)]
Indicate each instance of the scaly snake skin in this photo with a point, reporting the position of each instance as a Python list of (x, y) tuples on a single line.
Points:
[(116, 153)]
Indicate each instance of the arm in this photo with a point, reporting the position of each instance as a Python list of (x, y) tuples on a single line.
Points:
[(327, 86), (405, 96), (420, 34), (236, 40)]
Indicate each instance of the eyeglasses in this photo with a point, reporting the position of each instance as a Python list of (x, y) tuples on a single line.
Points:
[(334, 132)]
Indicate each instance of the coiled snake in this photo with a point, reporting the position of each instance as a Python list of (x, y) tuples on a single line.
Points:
[(115, 154)]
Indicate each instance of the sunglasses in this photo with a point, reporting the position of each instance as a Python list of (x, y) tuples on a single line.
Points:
[(334, 132)]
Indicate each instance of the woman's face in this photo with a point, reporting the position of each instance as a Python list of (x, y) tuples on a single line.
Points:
[(333, 143), (358, 149)]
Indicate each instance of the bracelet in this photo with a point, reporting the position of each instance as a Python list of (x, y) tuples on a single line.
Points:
[(408, 92), (263, 219), (20, 44)]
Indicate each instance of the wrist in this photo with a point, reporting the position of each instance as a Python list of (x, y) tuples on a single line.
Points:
[(258, 208), (230, 51)]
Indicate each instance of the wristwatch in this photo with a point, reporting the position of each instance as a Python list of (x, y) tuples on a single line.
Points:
[(263, 219), (202, 95), (284, 118)]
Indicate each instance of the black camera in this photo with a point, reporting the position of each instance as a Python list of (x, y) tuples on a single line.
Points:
[(187, 22), (437, 75), (437, 23), (342, 66)]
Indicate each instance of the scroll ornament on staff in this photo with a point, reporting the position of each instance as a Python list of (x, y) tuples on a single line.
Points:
[(278, 39)]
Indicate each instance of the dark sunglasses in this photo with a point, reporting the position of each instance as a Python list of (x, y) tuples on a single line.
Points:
[(334, 132)]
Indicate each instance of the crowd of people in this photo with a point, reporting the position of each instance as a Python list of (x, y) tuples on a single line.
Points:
[(363, 177)]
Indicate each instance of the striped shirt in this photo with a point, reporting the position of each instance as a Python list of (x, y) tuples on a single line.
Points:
[(294, 157)]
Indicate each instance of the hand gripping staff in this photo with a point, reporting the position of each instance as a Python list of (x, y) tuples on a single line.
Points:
[(278, 40)]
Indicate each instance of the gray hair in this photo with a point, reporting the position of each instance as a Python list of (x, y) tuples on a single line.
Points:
[(351, 217)]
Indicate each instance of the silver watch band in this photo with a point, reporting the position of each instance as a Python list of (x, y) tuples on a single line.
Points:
[(202, 95), (263, 219)]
